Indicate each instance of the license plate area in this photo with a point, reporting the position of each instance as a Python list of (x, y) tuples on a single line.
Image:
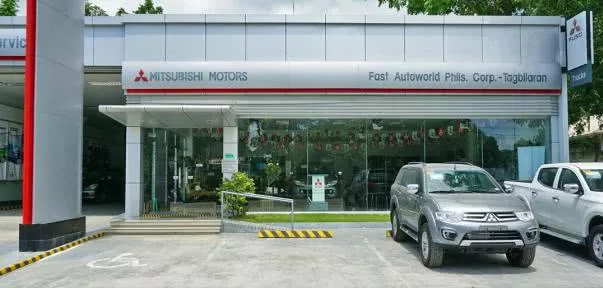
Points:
[(493, 228)]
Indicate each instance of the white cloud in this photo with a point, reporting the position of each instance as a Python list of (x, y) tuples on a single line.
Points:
[(248, 6)]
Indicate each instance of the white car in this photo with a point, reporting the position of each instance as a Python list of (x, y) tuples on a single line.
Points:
[(567, 202)]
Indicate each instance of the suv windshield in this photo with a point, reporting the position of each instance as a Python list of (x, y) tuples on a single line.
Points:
[(593, 179), (460, 181)]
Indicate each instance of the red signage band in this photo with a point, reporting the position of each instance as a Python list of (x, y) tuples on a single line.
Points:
[(12, 58), (340, 90)]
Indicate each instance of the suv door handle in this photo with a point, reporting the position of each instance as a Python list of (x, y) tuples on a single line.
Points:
[(534, 193), (556, 199)]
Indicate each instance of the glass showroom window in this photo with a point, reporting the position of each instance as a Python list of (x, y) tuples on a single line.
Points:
[(181, 170), (359, 159)]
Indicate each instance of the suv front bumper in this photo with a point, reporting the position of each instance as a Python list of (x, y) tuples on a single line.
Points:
[(486, 237)]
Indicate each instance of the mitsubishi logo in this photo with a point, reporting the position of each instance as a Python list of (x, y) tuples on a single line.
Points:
[(317, 183), (141, 77), (575, 27), (491, 218)]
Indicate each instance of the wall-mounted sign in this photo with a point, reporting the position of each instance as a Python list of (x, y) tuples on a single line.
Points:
[(318, 188), (339, 78), (12, 42), (580, 48)]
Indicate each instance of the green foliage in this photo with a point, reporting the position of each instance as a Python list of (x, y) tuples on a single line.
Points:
[(273, 172), (458, 7), (148, 7), (241, 183), (583, 101), (121, 11), (9, 8), (93, 10)]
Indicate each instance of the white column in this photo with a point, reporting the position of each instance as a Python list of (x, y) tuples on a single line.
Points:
[(133, 172), (563, 122), (57, 107), (555, 150), (230, 149)]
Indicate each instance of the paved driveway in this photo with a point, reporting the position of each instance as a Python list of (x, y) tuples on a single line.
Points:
[(354, 258), (97, 217)]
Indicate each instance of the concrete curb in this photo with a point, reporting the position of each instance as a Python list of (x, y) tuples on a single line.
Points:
[(31, 260)]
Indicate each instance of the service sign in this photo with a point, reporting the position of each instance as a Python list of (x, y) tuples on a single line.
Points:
[(580, 49), (12, 42), (339, 77)]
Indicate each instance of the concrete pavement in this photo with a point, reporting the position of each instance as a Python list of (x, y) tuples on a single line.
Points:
[(97, 217), (354, 258)]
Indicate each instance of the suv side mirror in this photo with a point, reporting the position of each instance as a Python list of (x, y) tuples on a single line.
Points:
[(508, 188), (412, 188), (571, 188)]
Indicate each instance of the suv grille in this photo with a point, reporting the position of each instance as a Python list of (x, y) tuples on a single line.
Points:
[(492, 235), (490, 217)]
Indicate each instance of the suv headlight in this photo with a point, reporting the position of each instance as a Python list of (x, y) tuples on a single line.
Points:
[(525, 216), (449, 216)]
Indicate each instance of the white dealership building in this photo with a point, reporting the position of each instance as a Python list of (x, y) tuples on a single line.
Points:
[(345, 99)]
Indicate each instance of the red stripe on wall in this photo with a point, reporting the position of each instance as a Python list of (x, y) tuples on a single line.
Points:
[(342, 90), (13, 58), (28, 110)]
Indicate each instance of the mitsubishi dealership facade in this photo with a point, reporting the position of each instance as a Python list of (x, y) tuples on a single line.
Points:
[(343, 99)]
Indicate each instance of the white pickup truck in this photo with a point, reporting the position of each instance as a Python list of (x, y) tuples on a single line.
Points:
[(567, 202)]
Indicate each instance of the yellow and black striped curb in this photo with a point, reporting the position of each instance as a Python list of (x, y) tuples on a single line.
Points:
[(39, 257), (388, 233), (10, 207), (295, 234)]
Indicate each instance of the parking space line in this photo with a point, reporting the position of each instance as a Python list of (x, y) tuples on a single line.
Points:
[(379, 255)]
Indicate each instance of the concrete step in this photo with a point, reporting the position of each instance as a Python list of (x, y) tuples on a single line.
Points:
[(162, 231), (166, 223), (165, 226)]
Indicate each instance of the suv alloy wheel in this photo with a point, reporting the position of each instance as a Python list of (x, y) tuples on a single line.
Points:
[(432, 255), (595, 244), (397, 233)]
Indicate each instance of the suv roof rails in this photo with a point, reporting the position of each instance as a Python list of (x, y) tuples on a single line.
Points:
[(412, 163), (459, 162)]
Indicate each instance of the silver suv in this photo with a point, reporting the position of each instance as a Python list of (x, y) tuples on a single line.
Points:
[(458, 206)]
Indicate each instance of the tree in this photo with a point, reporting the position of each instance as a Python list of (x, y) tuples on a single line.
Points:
[(121, 11), (9, 8), (148, 7), (583, 101), (93, 10)]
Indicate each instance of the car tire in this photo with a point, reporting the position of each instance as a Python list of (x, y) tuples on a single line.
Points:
[(397, 234), (595, 244), (522, 257), (432, 254)]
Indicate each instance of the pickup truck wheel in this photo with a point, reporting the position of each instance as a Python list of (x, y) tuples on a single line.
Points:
[(522, 257), (595, 244), (432, 254), (397, 234)]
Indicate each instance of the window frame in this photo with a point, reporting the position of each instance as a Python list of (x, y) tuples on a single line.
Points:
[(558, 184), (553, 185)]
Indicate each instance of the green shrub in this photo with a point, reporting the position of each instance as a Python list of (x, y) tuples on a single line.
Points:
[(241, 183), (273, 172)]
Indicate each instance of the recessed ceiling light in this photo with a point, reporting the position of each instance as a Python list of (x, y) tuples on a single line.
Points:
[(11, 83), (95, 83)]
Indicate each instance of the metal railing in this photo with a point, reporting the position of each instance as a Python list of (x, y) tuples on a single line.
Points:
[(258, 196)]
